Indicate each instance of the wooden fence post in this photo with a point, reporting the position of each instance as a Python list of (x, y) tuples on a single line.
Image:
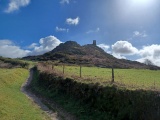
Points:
[(112, 75), (154, 84), (80, 71), (52, 66), (63, 68)]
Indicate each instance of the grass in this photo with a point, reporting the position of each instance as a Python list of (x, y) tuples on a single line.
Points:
[(129, 78), (31, 63), (14, 105), (92, 102), (67, 102)]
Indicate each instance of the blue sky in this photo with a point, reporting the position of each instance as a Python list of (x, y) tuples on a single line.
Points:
[(128, 29)]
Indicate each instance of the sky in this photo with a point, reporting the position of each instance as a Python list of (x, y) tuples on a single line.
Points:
[(127, 29)]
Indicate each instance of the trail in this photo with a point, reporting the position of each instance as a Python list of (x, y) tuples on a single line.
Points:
[(53, 110)]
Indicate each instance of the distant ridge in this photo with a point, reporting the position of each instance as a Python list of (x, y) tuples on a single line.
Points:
[(71, 52)]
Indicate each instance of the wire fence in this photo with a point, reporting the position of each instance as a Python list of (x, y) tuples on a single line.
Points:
[(128, 78)]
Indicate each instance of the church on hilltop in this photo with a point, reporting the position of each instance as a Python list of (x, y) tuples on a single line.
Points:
[(94, 42)]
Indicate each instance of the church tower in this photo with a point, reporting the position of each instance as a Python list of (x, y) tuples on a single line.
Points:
[(94, 42)]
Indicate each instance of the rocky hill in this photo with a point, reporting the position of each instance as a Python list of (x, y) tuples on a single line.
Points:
[(71, 52)]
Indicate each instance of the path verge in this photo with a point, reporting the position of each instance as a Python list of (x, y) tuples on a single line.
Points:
[(53, 110)]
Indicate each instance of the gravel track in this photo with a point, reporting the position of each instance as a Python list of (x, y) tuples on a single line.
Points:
[(53, 110)]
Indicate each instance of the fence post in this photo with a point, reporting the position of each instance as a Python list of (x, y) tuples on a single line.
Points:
[(52, 66), (154, 84), (80, 71), (112, 75), (63, 68)]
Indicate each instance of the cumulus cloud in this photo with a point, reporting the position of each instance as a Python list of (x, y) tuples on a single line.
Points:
[(33, 45), (5, 42), (139, 34), (124, 48), (119, 56), (147, 53), (120, 49), (104, 47), (151, 53), (65, 1), (8, 49), (71, 21), (58, 29), (93, 31), (152, 50), (46, 44), (14, 5)]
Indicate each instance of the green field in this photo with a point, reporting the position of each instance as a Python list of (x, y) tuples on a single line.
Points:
[(14, 105), (129, 78)]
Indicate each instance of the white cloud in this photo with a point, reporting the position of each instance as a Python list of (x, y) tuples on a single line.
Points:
[(93, 31), (33, 45), (104, 47), (152, 50), (119, 56), (5, 42), (65, 1), (151, 53), (14, 5), (124, 48), (46, 44), (150, 58), (71, 21), (58, 29), (139, 34), (8, 49)]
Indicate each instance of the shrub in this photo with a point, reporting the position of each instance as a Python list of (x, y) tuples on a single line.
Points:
[(122, 104)]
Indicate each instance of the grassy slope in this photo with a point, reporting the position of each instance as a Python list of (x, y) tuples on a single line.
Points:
[(89, 102), (131, 78), (14, 105), (68, 103)]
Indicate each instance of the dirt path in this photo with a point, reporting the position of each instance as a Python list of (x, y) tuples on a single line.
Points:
[(54, 111)]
